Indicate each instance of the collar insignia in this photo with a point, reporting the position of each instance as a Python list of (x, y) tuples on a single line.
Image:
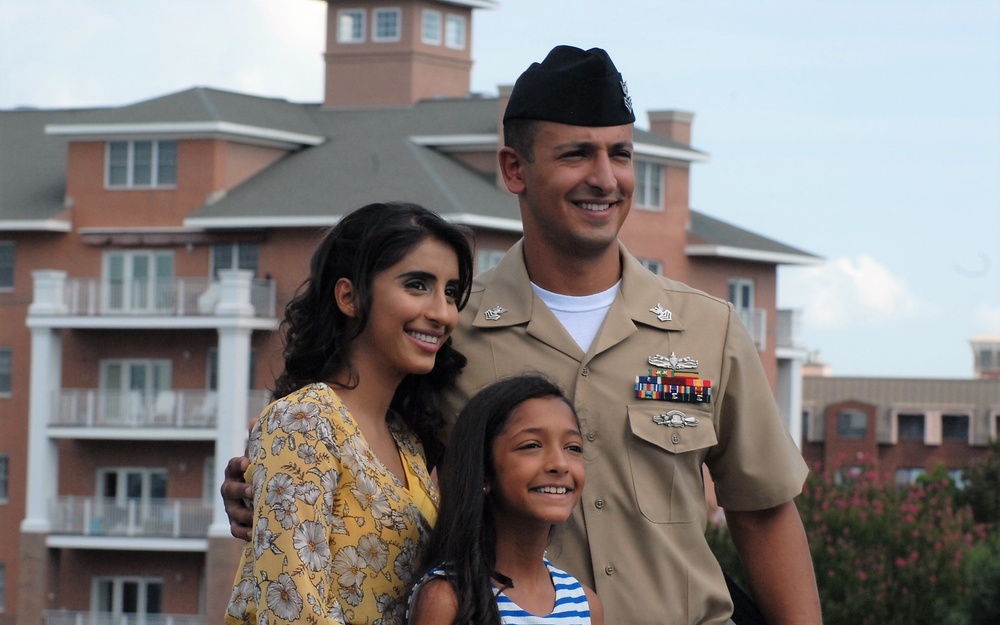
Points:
[(661, 313), (493, 314)]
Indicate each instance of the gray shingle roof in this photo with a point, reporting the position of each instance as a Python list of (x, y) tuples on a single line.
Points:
[(709, 236)]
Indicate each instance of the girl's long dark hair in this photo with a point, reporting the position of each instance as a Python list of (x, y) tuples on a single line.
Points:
[(317, 334), (464, 538)]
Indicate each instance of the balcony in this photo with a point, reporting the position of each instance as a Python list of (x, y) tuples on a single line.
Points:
[(90, 410), (755, 320), (789, 330), (160, 518), (180, 297), (68, 617), (235, 300)]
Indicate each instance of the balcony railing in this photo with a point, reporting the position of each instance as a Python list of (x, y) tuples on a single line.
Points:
[(67, 617), (755, 319), (789, 329), (179, 297), (135, 409), (155, 518)]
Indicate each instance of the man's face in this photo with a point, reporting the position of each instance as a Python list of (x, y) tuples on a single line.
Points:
[(578, 189)]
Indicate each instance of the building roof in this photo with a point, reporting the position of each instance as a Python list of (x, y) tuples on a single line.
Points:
[(338, 159), (708, 236)]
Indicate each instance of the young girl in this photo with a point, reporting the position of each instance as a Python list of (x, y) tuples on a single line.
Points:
[(343, 500), (512, 470)]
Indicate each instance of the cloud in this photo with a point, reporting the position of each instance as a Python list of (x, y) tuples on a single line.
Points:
[(848, 291), (988, 317)]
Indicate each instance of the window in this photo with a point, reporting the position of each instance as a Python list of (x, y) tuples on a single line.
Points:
[(653, 265), (985, 359), (4, 478), (130, 388), (430, 30), (648, 185), (955, 428), (911, 427), (6, 265), (138, 281), (386, 25), (852, 424), (141, 164), (234, 256), (907, 476), (454, 32), (6, 367), (127, 599), (741, 293), (144, 485), (488, 259), (350, 26), (958, 477)]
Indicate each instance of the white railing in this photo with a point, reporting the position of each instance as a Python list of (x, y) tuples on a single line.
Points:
[(179, 297), (789, 329), (67, 617), (102, 516), (755, 319), (134, 409)]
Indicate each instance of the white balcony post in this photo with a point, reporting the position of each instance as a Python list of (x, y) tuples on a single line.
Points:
[(50, 293), (45, 379), (234, 381)]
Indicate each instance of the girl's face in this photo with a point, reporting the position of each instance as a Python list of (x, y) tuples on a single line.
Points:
[(538, 463), (413, 311)]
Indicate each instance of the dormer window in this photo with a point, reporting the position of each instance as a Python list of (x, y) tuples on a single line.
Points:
[(387, 25), (454, 32), (430, 30), (132, 164), (350, 26)]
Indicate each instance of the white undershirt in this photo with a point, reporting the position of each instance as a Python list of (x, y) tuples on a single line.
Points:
[(583, 315)]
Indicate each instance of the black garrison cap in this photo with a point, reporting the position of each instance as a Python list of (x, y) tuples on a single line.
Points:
[(572, 86)]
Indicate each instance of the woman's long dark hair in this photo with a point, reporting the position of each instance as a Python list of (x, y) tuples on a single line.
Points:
[(317, 334), (465, 536)]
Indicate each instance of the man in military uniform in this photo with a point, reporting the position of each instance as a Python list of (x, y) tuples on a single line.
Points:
[(665, 377)]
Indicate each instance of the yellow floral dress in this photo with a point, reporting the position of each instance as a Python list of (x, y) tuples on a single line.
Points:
[(337, 537)]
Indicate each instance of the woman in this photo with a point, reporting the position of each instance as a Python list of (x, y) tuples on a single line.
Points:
[(343, 500)]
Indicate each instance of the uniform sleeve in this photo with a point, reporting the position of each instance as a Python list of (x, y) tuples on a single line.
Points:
[(295, 482), (755, 465)]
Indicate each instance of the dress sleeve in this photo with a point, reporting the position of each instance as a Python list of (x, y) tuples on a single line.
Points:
[(295, 478)]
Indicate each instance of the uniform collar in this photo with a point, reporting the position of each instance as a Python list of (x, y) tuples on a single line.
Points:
[(507, 286)]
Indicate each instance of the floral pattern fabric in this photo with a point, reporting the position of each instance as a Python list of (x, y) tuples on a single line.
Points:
[(337, 536)]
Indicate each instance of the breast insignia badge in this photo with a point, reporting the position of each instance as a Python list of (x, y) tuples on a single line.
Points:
[(673, 362), (661, 313), (673, 379), (493, 314), (675, 419)]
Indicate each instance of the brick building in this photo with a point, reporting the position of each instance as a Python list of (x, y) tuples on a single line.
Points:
[(147, 251)]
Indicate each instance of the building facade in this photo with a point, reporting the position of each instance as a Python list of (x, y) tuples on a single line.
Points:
[(147, 251), (902, 428)]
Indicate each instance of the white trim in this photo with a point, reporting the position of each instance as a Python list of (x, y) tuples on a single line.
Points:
[(742, 253), (115, 543), (649, 149), (463, 141), (482, 221), (46, 225), (185, 130), (475, 4)]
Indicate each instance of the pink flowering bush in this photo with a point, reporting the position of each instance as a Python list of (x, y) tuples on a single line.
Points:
[(884, 554)]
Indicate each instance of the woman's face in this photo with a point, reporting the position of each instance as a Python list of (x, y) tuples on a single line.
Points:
[(413, 311)]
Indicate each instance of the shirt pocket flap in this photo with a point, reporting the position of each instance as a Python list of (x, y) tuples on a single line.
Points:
[(674, 429)]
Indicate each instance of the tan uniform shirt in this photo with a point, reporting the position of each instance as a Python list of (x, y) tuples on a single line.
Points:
[(637, 537)]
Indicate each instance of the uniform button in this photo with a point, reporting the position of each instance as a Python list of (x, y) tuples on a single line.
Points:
[(610, 570), (599, 503), (591, 435), (676, 438), (585, 371)]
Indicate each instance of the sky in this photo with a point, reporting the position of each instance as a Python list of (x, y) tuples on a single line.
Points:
[(866, 132)]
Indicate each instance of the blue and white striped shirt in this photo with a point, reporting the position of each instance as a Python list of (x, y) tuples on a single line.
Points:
[(571, 606)]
